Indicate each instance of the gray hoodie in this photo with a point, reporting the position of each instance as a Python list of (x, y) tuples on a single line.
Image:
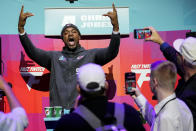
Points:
[(63, 66)]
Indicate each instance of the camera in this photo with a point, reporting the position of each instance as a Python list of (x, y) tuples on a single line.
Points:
[(130, 82), (142, 33)]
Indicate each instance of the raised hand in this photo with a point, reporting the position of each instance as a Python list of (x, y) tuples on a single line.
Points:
[(136, 92), (22, 19), (155, 37), (114, 18)]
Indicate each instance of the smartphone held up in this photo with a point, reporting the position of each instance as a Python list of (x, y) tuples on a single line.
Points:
[(130, 82), (142, 33)]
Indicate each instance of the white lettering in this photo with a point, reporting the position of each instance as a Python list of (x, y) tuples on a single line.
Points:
[(83, 18), (95, 18), (38, 69), (68, 19), (24, 69), (140, 66), (96, 24), (98, 17), (143, 75), (106, 24), (135, 66), (89, 24), (147, 66), (32, 72)]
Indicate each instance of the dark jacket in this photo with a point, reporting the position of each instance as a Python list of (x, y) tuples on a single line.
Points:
[(98, 106), (185, 90), (63, 66)]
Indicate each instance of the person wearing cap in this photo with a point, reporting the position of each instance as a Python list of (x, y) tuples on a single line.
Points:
[(63, 64), (16, 120), (171, 113), (92, 87), (183, 55)]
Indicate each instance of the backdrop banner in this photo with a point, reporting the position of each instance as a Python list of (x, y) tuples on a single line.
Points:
[(89, 20), (31, 82)]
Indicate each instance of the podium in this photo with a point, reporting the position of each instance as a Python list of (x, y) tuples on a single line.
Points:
[(50, 122)]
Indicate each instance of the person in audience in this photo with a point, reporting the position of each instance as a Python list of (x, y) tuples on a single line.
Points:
[(92, 87), (183, 55), (16, 120), (171, 113)]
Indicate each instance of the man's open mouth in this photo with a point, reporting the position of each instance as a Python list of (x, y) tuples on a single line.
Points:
[(71, 41)]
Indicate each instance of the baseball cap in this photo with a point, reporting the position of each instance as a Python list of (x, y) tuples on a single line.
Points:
[(187, 48), (69, 25), (91, 77)]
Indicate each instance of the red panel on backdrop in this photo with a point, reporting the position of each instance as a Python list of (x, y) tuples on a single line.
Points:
[(31, 82)]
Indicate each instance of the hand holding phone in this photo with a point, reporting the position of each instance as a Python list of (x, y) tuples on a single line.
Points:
[(142, 33), (130, 82)]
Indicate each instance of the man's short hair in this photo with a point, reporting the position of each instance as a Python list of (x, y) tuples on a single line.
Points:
[(165, 72), (91, 78)]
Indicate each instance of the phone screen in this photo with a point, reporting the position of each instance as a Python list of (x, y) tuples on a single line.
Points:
[(130, 82), (142, 33)]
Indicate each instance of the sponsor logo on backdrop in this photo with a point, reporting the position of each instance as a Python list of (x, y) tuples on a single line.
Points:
[(95, 21), (69, 19), (143, 70), (88, 21), (31, 72)]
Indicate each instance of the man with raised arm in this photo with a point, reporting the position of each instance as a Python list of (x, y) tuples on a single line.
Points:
[(63, 64), (183, 55)]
